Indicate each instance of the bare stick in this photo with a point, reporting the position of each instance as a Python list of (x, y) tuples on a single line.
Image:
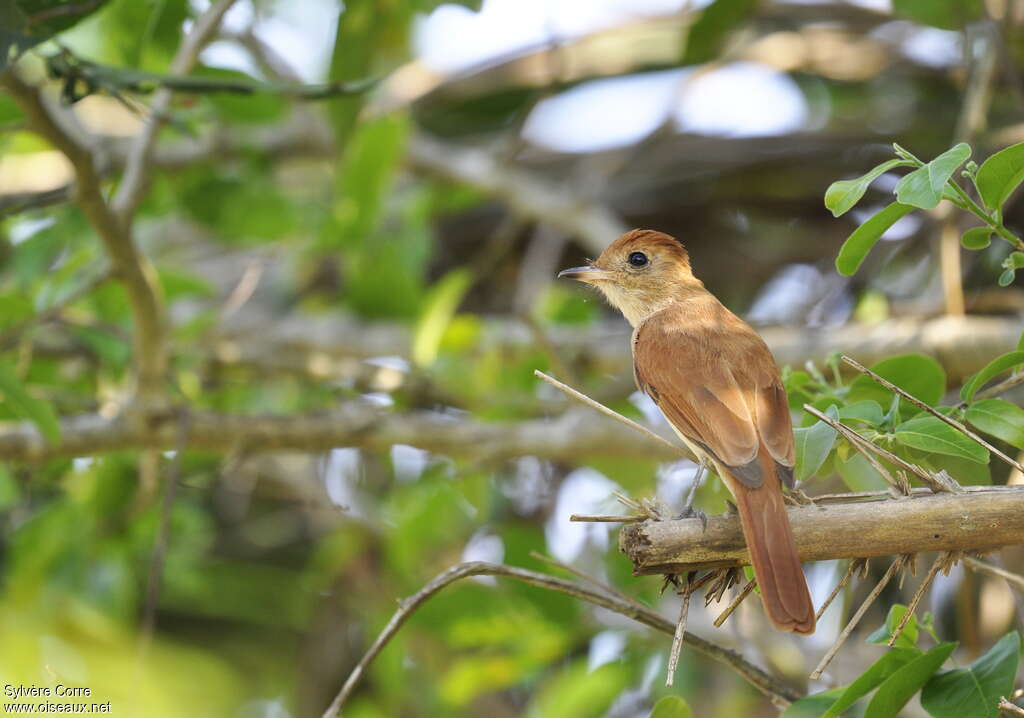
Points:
[(585, 577), (754, 675), (1011, 708), (938, 415), (943, 559), (735, 602), (1014, 579), (936, 483), (864, 448), (997, 389), (610, 519), (583, 398), (677, 637), (850, 570), (893, 568)]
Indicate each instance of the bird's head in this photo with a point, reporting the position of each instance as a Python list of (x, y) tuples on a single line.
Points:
[(639, 273)]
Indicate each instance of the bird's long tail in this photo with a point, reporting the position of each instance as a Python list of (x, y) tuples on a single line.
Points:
[(773, 551)]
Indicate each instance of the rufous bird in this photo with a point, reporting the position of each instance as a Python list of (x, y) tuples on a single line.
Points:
[(717, 384)]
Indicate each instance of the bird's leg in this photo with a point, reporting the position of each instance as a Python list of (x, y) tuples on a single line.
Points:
[(688, 511)]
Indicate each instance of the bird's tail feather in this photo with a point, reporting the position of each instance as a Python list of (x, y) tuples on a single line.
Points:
[(773, 552)]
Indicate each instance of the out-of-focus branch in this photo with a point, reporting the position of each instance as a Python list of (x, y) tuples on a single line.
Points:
[(963, 345), (128, 263), (570, 436), (982, 518), (638, 612), (524, 194), (139, 160)]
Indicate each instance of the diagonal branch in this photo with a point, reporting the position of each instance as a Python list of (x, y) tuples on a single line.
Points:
[(752, 674), (931, 410), (128, 263)]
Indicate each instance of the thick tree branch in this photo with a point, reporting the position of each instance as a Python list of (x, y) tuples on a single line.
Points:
[(765, 683), (982, 518), (129, 264)]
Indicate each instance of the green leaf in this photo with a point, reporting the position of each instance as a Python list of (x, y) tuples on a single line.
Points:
[(812, 706), (899, 688), (929, 433), (1000, 175), (366, 177), (947, 14), (907, 639), (920, 376), (1007, 277), (974, 691), (439, 308), (858, 244), (23, 404), (993, 368), (868, 412), (870, 679), (841, 196), (998, 418), (576, 691), (813, 444), (858, 473), (671, 707), (923, 187), (977, 238), (46, 18), (1014, 261), (706, 38)]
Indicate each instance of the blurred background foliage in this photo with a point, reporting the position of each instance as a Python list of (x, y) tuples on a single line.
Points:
[(397, 247)]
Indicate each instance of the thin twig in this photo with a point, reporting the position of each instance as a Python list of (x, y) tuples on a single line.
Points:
[(677, 638), (1011, 708), (850, 571), (937, 484), (938, 415), (942, 560), (863, 447), (585, 577), (139, 162), (827, 658), (744, 592), (754, 675), (1014, 579), (997, 389), (98, 278), (584, 399), (609, 519)]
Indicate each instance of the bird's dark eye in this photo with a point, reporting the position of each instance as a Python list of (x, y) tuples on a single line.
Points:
[(638, 259)]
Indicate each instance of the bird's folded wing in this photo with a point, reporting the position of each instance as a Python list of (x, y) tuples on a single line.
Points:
[(719, 387)]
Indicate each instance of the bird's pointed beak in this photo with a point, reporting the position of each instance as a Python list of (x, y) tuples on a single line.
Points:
[(588, 273)]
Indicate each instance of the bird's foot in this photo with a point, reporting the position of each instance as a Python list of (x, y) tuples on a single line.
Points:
[(691, 513), (797, 497)]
